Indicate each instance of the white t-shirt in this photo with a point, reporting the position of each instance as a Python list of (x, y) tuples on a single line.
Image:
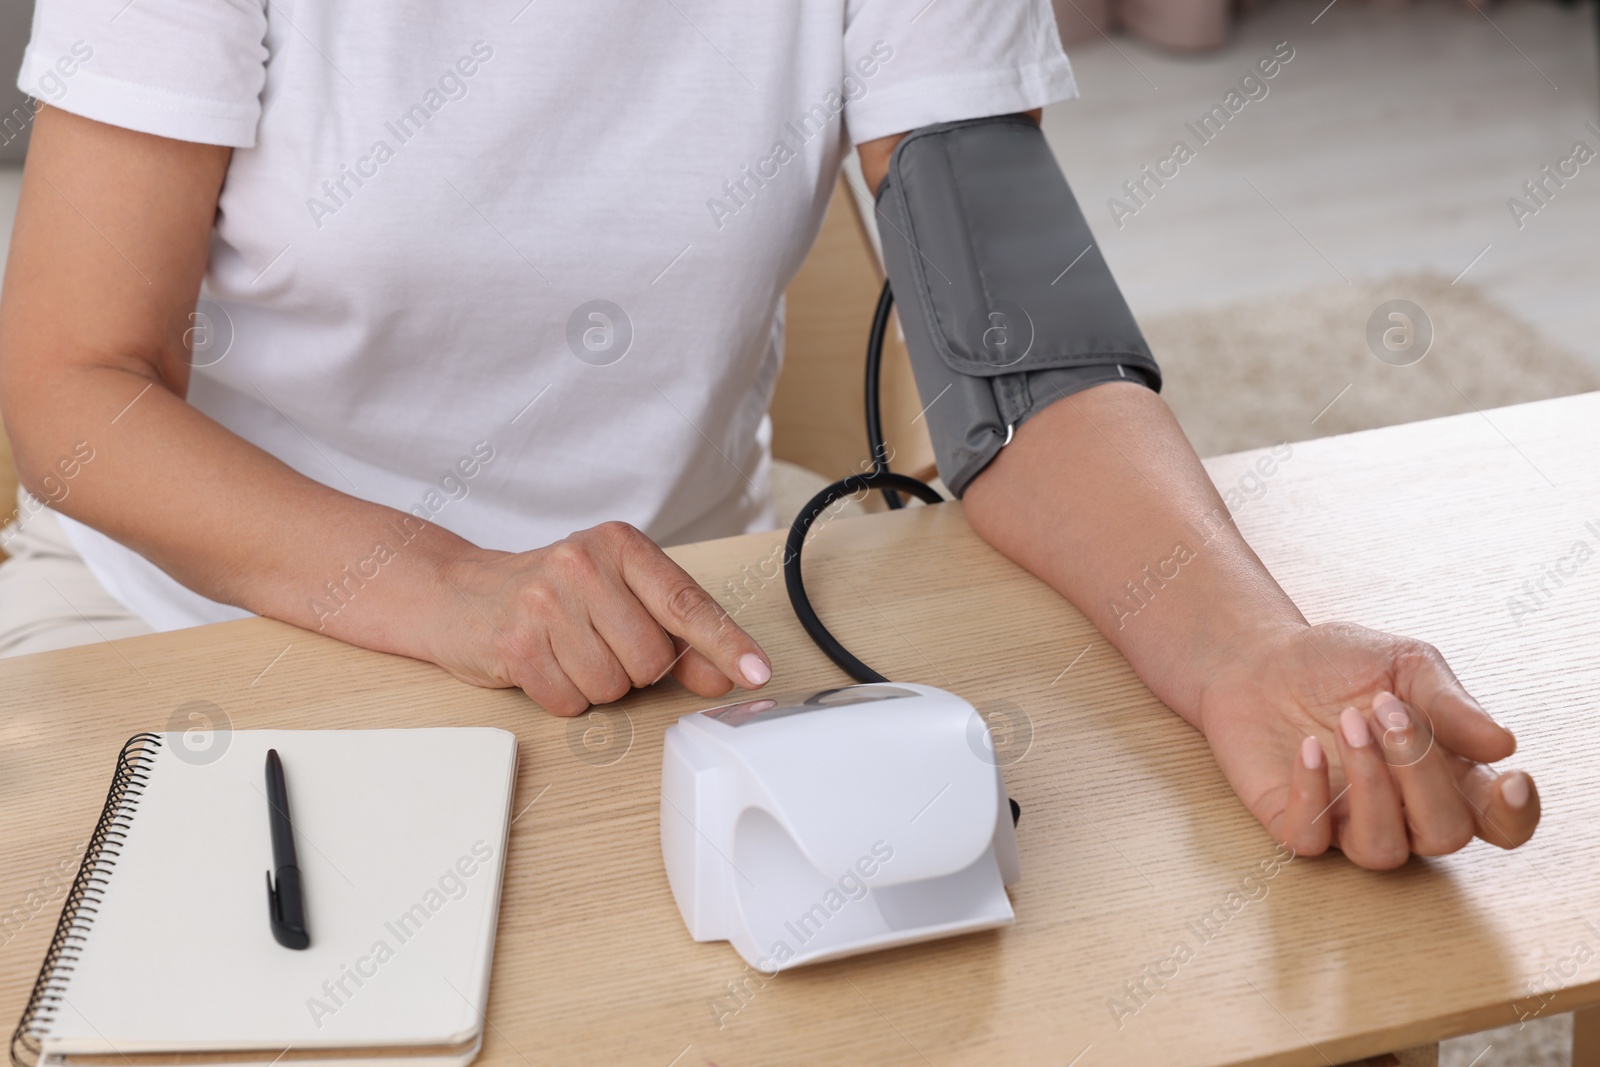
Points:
[(516, 267)]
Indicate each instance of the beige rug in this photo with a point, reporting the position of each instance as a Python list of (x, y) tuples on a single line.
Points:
[(1300, 366), (1297, 366)]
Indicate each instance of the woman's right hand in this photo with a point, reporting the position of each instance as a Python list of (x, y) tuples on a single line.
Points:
[(584, 620)]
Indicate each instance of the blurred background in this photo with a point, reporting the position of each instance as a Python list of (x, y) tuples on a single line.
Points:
[(16, 16), (1438, 152), (1382, 163), (1399, 151)]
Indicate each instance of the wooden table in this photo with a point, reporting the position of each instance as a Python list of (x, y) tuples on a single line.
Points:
[(1129, 834)]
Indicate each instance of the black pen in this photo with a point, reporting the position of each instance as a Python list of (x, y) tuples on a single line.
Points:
[(285, 905)]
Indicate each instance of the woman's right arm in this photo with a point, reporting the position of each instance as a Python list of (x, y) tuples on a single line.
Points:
[(111, 239)]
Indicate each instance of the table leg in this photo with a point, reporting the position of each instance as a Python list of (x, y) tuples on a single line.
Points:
[(1421, 1056), (1586, 1037)]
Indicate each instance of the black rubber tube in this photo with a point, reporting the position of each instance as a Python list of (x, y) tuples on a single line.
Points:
[(795, 582), (873, 391)]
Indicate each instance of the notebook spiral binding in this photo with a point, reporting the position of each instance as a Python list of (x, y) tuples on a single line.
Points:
[(88, 888)]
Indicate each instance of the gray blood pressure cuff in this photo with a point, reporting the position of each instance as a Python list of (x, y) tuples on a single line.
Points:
[(1006, 303)]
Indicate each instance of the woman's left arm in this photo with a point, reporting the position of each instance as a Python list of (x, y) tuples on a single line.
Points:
[(1332, 735)]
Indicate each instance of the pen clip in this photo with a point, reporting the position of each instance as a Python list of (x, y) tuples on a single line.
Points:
[(289, 932)]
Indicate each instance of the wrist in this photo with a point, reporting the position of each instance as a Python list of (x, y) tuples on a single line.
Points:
[(459, 583), (1222, 621), (401, 593), (1240, 656)]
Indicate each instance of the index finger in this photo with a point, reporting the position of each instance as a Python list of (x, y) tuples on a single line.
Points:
[(685, 610), (1425, 681)]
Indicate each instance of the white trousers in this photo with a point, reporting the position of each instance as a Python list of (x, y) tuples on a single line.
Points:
[(48, 598)]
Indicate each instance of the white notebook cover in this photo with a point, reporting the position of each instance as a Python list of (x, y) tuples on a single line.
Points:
[(401, 839)]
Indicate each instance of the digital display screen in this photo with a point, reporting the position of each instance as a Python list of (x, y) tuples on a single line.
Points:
[(765, 709)]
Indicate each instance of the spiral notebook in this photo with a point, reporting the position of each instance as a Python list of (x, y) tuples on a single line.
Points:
[(164, 954)]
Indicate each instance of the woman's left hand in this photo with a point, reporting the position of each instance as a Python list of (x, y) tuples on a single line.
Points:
[(1340, 735)]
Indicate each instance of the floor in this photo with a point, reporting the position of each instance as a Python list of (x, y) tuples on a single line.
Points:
[(1390, 142)]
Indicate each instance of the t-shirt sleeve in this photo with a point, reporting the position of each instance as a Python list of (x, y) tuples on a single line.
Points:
[(916, 62), (191, 70)]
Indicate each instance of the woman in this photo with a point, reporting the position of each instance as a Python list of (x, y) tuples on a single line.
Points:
[(489, 308)]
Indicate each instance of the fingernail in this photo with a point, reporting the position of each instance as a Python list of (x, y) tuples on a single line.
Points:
[(1391, 709), (1354, 726), (754, 669), (1311, 753), (1515, 790), (1394, 714)]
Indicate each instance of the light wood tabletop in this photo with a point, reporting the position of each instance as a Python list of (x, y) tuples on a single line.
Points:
[(1129, 836)]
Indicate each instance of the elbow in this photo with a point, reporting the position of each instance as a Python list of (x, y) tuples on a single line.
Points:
[(50, 480), (995, 510), (45, 460)]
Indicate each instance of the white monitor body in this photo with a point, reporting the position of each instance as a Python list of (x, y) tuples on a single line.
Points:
[(805, 827)]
